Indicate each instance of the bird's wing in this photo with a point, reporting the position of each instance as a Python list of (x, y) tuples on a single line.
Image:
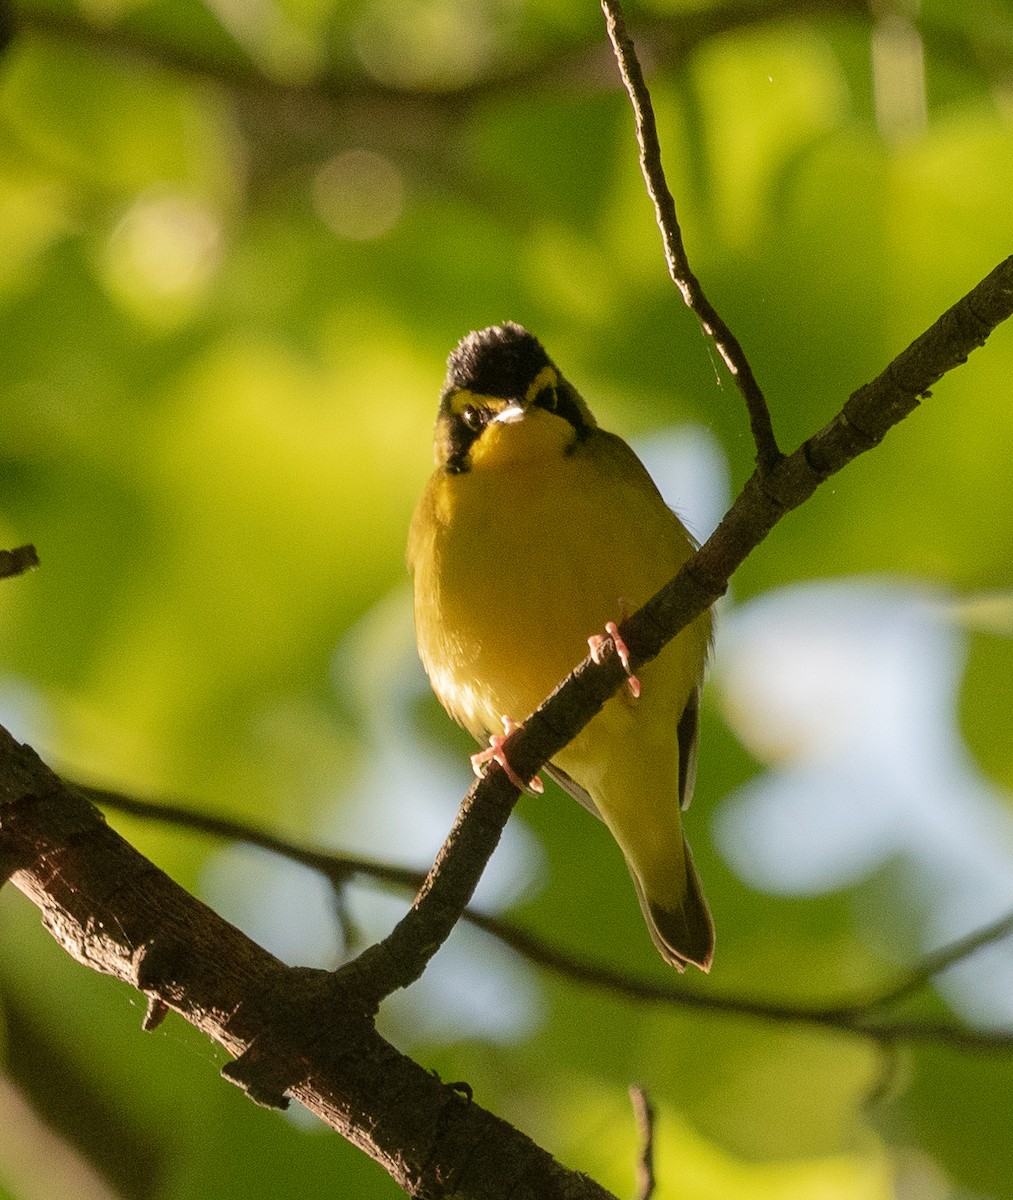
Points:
[(689, 736), (572, 788)]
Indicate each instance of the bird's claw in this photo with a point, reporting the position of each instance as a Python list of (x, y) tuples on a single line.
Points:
[(494, 752), (597, 641)]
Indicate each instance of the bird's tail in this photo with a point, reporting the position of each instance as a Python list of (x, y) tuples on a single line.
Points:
[(685, 934)]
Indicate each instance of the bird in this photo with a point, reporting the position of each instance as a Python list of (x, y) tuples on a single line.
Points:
[(536, 529)]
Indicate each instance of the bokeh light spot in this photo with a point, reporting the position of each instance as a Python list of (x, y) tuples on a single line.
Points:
[(359, 195), (162, 254)]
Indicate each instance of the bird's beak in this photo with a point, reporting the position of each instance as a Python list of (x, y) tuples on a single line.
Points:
[(509, 415)]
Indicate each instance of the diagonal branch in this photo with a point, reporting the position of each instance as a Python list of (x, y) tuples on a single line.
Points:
[(293, 1032), (938, 961), (862, 423)]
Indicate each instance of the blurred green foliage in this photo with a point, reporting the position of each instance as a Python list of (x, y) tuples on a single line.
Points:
[(238, 243)]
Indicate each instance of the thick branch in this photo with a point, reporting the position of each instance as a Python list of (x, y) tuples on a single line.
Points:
[(294, 1030)]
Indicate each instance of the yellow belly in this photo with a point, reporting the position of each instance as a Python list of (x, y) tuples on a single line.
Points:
[(516, 564)]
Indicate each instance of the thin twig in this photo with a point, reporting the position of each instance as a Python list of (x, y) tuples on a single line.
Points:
[(940, 960), (336, 868), (885, 1080), (767, 451), (643, 1114), (854, 1017)]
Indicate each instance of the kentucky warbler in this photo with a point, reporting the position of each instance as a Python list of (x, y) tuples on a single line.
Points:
[(536, 529)]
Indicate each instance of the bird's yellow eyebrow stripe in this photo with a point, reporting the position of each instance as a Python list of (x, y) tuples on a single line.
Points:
[(463, 398), (546, 377)]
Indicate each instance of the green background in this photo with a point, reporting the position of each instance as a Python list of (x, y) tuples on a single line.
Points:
[(237, 244)]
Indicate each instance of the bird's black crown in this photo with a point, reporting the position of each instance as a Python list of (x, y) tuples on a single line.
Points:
[(499, 361)]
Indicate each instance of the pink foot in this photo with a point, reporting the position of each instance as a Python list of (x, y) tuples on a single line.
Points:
[(597, 641), (496, 753)]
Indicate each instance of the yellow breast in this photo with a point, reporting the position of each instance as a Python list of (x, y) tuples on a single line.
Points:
[(520, 559)]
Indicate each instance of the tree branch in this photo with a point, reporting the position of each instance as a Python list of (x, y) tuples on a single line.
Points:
[(293, 1031), (337, 869), (767, 452), (938, 961), (643, 1113), (853, 1016), (579, 64), (767, 496)]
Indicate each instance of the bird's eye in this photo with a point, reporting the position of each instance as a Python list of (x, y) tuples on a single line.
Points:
[(472, 417), (548, 398)]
